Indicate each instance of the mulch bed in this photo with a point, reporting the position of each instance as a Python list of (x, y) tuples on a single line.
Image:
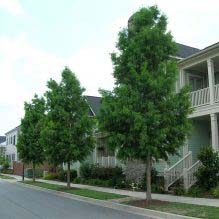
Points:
[(144, 203)]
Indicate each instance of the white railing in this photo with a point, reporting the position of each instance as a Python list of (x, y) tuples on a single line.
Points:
[(189, 177), (174, 173), (109, 161), (200, 97), (216, 93)]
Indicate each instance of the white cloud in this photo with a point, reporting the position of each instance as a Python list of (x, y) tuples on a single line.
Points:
[(25, 71), (12, 6)]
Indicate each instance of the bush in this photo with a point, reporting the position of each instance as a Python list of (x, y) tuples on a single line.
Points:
[(179, 190), (91, 171), (62, 175), (215, 192), (195, 191), (208, 174), (153, 178), (7, 171), (50, 176)]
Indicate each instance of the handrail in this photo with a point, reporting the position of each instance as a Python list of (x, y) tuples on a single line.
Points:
[(178, 162), (189, 177), (175, 172)]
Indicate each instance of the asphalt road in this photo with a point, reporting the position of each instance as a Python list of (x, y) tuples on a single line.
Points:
[(17, 201)]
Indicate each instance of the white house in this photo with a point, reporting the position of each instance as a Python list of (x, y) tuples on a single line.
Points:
[(11, 141)]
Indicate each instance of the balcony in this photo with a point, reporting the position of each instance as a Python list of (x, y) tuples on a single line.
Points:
[(202, 97), (109, 161)]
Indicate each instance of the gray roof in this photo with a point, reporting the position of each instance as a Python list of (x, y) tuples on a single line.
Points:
[(185, 51), (94, 103), (2, 139)]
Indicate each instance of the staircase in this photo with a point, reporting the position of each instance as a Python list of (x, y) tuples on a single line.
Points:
[(182, 169)]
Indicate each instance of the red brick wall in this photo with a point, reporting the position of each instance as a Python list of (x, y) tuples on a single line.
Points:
[(18, 167)]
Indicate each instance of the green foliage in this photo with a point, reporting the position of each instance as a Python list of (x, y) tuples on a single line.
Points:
[(29, 148), (215, 192), (62, 175), (50, 176), (179, 190), (7, 171), (195, 191), (154, 178), (90, 171), (4, 162), (208, 174), (67, 134), (143, 115)]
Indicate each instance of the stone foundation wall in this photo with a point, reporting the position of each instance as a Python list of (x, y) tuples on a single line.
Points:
[(134, 171)]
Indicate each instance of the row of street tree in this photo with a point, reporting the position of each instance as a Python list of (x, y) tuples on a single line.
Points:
[(144, 117)]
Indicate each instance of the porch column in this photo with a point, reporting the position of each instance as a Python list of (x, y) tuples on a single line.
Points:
[(214, 131), (182, 78), (211, 79)]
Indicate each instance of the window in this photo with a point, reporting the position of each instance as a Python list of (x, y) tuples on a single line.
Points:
[(196, 82), (13, 157), (14, 140)]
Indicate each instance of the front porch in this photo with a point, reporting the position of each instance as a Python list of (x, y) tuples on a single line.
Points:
[(203, 79), (102, 155)]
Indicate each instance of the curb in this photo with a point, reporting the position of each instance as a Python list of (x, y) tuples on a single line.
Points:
[(116, 206)]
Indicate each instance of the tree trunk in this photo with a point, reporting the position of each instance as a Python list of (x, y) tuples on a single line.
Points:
[(34, 168), (68, 175), (148, 171), (23, 172)]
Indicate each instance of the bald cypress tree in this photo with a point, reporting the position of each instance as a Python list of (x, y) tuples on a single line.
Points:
[(144, 116)]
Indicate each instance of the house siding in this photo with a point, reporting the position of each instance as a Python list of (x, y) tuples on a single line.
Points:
[(200, 137)]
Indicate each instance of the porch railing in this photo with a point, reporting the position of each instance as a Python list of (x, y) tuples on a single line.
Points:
[(109, 161), (200, 97)]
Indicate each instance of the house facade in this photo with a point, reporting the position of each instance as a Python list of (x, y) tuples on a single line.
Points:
[(11, 141), (201, 72)]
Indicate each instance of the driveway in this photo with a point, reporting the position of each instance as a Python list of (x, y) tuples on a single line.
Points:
[(17, 201)]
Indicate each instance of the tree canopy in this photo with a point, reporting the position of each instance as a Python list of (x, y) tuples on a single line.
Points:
[(29, 148), (144, 116), (68, 133)]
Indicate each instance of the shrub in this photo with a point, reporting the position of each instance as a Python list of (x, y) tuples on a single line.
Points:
[(215, 192), (153, 178), (77, 180), (208, 174), (50, 176), (86, 170), (7, 171), (62, 175), (179, 190), (91, 171), (195, 191)]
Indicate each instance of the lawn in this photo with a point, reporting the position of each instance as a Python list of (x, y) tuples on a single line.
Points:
[(6, 177), (75, 191), (198, 211)]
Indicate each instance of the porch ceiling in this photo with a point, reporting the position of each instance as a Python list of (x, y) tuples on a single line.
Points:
[(203, 68)]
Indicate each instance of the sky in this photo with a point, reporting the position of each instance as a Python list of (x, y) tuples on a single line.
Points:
[(39, 38)]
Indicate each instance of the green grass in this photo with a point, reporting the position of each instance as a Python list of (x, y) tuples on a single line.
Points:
[(191, 210), (75, 191), (6, 177)]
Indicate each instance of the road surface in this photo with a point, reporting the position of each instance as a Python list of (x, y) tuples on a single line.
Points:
[(17, 201)]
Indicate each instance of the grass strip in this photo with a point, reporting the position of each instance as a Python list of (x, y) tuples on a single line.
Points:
[(76, 191)]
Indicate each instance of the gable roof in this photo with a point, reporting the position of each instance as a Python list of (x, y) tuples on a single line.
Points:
[(185, 51), (2, 139), (94, 103)]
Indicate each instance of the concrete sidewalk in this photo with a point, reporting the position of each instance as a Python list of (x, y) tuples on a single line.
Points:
[(140, 195)]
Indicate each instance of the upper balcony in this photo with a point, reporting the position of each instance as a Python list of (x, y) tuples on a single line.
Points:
[(202, 74)]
